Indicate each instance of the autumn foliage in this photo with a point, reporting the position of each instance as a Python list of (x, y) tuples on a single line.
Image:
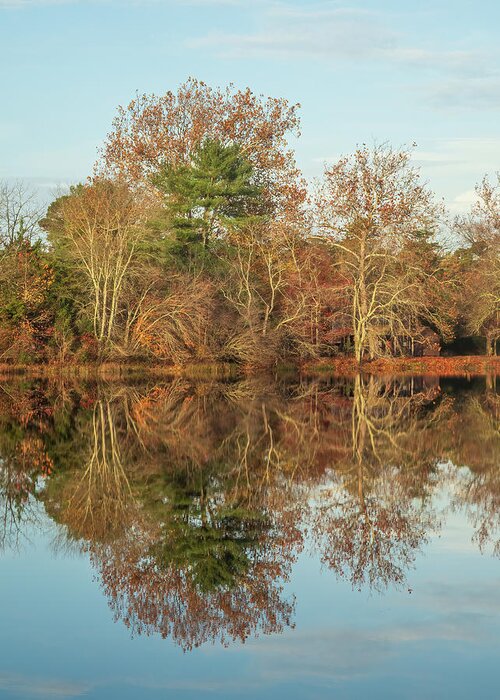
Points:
[(196, 239)]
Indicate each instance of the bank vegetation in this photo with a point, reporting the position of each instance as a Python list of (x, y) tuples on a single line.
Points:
[(197, 240)]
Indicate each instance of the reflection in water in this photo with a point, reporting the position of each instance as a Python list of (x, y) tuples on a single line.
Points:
[(194, 500), (375, 514), (476, 487)]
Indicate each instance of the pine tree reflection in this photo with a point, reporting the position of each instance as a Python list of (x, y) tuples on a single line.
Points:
[(180, 549)]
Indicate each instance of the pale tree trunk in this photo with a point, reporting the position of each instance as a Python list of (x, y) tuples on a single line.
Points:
[(489, 345), (366, 337)]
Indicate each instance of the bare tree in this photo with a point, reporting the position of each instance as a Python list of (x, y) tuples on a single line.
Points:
[(19, 213), (264, 274), (99, 229), (169, 318), (481, 230), (369, 205)]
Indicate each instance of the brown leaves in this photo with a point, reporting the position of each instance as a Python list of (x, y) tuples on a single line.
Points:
[(156, 130)]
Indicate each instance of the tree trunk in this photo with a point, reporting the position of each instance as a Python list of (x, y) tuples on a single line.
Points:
[(489, 346)]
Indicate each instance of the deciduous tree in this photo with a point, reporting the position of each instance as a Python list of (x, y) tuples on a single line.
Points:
[(153, 131), (98, 229), (369, 206), (481, 231)]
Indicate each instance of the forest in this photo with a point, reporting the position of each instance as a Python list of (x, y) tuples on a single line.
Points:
[(196, 239)]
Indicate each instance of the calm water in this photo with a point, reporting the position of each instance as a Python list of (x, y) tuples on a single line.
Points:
[(298, 539)]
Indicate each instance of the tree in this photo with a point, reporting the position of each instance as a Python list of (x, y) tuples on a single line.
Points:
[(19, 214), (26, 276), (154, 131), (262, 282), (26, 316), (432, 300), (170, 319), (369, 206), (212, 192), (97, 230), (318, 294), (481, 231)]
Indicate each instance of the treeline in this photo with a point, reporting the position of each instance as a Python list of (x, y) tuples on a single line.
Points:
[(197, 239)]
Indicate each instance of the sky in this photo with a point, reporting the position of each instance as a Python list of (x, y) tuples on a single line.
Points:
[(364, 72)]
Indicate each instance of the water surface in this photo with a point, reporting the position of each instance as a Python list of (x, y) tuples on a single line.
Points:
[(273, 539)]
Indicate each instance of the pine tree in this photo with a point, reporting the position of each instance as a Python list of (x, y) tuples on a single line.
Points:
[(215, 192)]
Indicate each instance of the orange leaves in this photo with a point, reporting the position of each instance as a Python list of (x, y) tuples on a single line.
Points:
[(32, 454), (156, 130), (33, 277), (26, 279), (172, 323), (377, 186)]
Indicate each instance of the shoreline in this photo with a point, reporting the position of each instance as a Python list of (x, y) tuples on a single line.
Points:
[(456, 366), (459, 366)]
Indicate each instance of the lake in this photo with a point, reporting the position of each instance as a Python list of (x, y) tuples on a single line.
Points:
[(271, 538)]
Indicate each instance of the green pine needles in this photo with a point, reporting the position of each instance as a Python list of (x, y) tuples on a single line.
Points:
[(216, 192)]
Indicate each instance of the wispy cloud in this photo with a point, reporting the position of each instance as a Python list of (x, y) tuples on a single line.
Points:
[(446, 154), (467, 93), (25, 687), (290, 32), (451, 76), (342, 653), (449, 163), (326, 31)]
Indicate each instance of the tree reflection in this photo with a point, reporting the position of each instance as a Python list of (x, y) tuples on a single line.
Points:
[(24, 461), (193, 500), (179, 591), (100, 504), (180, 549), (374, 513), (476, 485)]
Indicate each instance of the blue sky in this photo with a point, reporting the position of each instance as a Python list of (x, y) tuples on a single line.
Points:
[(426, 72)]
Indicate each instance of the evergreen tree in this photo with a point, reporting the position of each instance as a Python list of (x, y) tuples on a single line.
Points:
[(214, 192)]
